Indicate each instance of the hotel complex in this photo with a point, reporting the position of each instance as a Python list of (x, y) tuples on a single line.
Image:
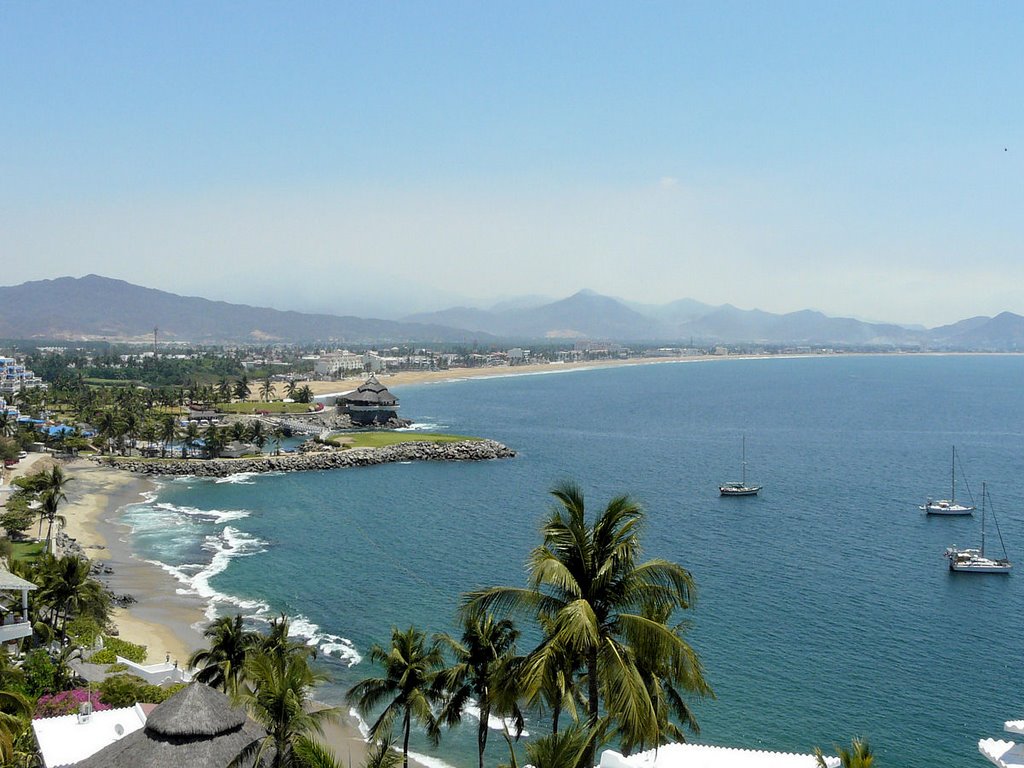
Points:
[(14, 377)]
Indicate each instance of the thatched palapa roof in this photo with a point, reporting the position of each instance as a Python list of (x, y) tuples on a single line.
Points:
[(371, 392), (196, 727)]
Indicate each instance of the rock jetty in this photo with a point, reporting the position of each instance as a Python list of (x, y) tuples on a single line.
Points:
[(464, 450)]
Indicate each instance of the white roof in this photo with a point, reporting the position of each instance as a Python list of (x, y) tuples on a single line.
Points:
[(9, 581), (707, 756), (64, 740), (1005, 754)]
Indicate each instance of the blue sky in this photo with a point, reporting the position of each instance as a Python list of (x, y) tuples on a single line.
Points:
[(352, 156)]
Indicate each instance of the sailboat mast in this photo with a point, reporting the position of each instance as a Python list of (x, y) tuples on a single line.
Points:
[(952, 477), (743, 468), (983, 494)]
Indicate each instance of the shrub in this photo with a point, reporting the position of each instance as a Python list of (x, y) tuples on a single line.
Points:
[(85, 630), (114, 647), (40, 673), (67, 702), (126, 690)]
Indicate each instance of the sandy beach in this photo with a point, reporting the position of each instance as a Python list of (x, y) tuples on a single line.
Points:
[(406, 378), (163, 620)]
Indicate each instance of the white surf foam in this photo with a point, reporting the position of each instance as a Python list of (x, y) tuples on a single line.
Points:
[(425, 426), (227, 545), (494, 723), (328, 644), (216, 515), (239, 478)]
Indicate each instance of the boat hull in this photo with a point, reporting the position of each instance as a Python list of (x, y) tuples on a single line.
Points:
[(973, 561), (745, 490), (946, 508)]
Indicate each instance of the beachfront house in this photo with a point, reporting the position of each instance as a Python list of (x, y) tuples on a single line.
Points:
[(197, 726), (69, 739), (16, 624), (370, 404), (1003, 752), (707, 756)]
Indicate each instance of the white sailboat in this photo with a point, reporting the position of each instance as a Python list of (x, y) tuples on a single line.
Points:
[(741, 488), (947, 506), (975, 560)]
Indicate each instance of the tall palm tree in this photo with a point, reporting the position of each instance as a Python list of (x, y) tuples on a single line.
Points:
[(266, 389), (66, 588), (168, 430), (222, 665), (410, 666), (290, 388), (486, 645), (224, 388), (242, 390), (278, 701), (191, 436), (587, 584), (51, 494), (858, 756)]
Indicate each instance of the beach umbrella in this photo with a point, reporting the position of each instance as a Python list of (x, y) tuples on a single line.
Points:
[(198, 726)]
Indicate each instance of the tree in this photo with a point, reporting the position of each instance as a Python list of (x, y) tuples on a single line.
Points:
[(486, 645), (595, 599), (222, 665), (224, 388), (242, 390), (304, 394), (278, 701), (266, 389), (168, 430), (410, 667), (191, 437), (66, 588), (51, 494), (858, 756), (290, 389)]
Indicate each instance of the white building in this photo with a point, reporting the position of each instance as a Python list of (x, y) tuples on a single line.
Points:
[(339, 362), (69, 739), (707, 756), (1002, 752), (14, 377)]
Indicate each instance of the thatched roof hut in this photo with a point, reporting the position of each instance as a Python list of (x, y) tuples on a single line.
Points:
[(370, 403), (196, 727)]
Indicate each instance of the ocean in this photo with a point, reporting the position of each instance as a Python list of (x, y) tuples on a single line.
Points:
[(825, 609)]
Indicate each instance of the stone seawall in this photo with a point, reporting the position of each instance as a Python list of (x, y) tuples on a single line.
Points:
[(465, 450)]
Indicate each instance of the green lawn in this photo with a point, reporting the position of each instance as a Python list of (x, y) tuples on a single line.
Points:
[(254, 407), (26, 550), (381, 439)]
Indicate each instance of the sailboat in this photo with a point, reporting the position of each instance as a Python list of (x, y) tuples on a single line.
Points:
[(975, 560), (741, 488), (947, 506)]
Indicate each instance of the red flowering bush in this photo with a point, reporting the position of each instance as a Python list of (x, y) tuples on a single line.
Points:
[(67, 703)]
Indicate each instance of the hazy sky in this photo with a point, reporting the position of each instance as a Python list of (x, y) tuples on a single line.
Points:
[(864, 159)]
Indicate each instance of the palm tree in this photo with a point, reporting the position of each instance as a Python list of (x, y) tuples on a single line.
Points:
[(290, 389), (222, 665), (486, 645), (858, 756), (191, 436), (410, 666), (242, 390), (257, 434), (51, 494), (65, 587), (266, 389), (278, 701), (224, 388), (567, 749), (168, 430), (586, 583), (8, 424)]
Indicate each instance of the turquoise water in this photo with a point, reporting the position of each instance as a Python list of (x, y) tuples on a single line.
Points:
[(826, 609)]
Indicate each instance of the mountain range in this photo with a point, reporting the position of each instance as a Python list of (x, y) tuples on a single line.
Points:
[(94, 307)]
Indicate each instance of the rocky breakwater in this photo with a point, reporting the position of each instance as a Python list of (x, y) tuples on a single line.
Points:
[(464, 450)]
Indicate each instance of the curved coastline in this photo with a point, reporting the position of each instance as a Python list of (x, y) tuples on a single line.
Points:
[(464, 450)]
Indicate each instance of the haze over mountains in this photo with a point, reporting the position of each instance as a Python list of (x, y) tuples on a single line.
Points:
[(95, 307)]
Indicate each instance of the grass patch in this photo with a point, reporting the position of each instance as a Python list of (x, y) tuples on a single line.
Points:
[(381, 439), (27, 550), (250, 407)]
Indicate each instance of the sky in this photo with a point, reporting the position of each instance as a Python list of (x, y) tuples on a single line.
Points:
[(863, 159)]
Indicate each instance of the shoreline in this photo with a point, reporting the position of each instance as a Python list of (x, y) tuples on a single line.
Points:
[(164, 617)]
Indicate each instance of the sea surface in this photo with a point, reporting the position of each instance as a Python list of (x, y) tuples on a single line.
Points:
[(825, 611)]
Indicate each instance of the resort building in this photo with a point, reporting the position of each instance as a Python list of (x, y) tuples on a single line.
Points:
[(68, 739), (340, 362), (370, 404), (707, 756), (15, 624), (11, 411), (14, 377)]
